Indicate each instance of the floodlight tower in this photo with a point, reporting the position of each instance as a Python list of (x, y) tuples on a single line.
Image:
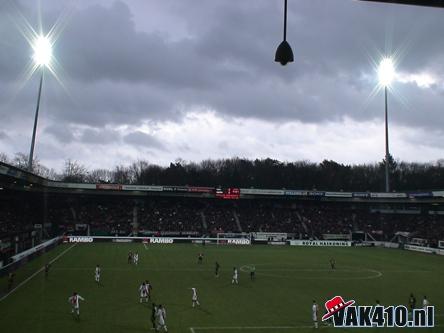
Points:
[(42, 57), (284, 53), (386, 74)]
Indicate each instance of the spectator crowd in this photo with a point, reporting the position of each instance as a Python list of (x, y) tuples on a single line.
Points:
[(111, 215)]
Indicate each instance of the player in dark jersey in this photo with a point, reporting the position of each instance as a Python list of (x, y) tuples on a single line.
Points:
[(47, 267), (412, 302), (252, 273), (153, 315), (130, 257), (10, 281), (200, 258), (149, 288), (216, 271), (332, 263)]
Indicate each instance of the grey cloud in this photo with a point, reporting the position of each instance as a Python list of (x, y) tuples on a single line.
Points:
[(119, 70), (118, 52), (124, 75), (99, 136), (61, 133), (141, 139)]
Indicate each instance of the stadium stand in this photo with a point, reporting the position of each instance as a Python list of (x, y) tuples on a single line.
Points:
[(34, 210)]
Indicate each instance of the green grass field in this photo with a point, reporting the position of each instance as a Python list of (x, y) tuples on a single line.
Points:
[(279, 300)]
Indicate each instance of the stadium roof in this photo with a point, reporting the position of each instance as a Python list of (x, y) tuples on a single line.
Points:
[(428, 3)]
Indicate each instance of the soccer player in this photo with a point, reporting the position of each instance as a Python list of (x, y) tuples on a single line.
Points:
[(332, 263), (200, 258), (130, 257), (47, 267), (136, 258), (143, 292), (252, 273), (161, 317), (75, 304), (153, 315), (235, 275), (194, 297), (10, 280), (149, 287), (216, 272), (425, 303), (315, 312), (97, 275), (412, 302)]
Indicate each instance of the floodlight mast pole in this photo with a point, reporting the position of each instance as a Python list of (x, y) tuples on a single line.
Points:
[(285, 20), (31, 153), (387, 154)]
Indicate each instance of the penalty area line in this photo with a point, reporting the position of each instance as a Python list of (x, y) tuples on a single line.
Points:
[(35, 273)]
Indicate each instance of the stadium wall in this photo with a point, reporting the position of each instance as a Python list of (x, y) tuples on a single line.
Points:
[(22, 258)]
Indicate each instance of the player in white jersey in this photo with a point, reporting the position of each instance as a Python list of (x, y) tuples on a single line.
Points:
[(425, 303), (136, 258), (97, 274), (235, 275), (161, 318), (143, 289), (75, 303), (194, 298), (314, 313)]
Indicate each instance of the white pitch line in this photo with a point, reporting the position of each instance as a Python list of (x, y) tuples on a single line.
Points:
[(203, 328), (41, 269), (206, 328), (247, 268)]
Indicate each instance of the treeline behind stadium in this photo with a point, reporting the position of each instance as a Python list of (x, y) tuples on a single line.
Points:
[(259, 173)]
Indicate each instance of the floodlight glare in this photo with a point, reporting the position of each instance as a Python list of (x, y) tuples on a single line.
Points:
[(42, 51), (386, 72)]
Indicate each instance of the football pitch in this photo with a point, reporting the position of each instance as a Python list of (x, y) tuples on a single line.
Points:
[(279, 300)]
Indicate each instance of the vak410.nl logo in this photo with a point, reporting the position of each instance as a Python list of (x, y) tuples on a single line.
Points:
[(346, 314)]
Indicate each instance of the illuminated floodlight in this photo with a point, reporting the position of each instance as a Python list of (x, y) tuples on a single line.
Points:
[(386, 72), (42, 51)]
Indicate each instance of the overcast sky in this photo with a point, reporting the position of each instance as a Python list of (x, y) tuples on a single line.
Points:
[(195, 79)]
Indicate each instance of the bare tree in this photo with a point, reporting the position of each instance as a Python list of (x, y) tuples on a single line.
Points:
[(20, 161), (74, 172), (4, 158), (99, 176), (121, 175), (136, 170), (45, 172)]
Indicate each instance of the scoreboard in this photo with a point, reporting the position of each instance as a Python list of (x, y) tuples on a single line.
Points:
[(230, 193)]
